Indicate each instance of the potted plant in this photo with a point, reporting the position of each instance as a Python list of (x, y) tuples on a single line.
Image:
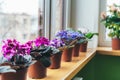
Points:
[(84, 40), (77, 38), (17, 56), (41, 52), (69, 38), (111, 21), (56, 59)]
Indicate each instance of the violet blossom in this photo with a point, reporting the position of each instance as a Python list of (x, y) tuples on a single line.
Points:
[(41, 41), (11, 48), (69, 35), (57, 43)]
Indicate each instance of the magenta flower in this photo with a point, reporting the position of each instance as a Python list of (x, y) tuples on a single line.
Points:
[(11, 48), (41, 41)]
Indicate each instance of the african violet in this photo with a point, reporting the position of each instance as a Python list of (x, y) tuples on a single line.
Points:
[(57, 43), (69, 37), (15, 54), (42, 51)]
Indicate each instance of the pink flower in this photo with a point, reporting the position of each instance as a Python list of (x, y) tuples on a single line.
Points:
[(41, 41), (113, 8), (11, 48), (103, 15)]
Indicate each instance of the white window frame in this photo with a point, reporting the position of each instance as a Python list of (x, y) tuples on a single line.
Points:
[(47, 18), (102, 34), (66, 9)]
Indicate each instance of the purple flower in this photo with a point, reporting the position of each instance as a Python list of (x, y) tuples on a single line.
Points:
[(75, 35), (68, 35), (56, 43), (41, 41), (62, 34)]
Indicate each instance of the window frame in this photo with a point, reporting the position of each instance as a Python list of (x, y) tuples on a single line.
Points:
[(102, 30), (63, 16), (47, 18)]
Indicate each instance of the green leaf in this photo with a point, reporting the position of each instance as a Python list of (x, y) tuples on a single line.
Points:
[(45, 61), (6, 69), (90, 35)]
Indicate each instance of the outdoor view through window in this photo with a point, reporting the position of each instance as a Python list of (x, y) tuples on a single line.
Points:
[(19, 19)]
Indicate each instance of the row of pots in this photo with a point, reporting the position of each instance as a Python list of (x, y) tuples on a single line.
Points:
[(38, 71)]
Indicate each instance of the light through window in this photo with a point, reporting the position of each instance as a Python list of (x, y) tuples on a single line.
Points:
[(19, 19)]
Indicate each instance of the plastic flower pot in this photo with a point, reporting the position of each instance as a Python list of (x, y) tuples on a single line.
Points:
[(19, 75), (37, 71), (75, 51), (55, 61), (83, 47), (67, 54), (115, 44)]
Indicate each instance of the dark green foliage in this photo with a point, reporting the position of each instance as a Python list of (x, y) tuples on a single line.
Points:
[(45, 61), (17, 62), (43, 54)]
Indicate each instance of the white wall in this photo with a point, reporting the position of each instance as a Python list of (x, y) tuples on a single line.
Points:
[(85, 13)]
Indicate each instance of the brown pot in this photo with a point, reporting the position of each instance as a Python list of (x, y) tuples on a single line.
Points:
[(116, 44), (37, 71), (19, 75), (75, 51), (55, 61), (67, 54), (83, 47)]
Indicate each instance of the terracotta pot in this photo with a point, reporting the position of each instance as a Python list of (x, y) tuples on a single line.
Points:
[(75, 51), (37, 71), (67, 54), (83, 47), (55, 61), (116, 44), (19, 75)]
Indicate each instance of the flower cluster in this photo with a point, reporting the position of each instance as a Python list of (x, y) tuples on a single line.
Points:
[(41, 41), (111, 20), (57, 43), (68, 36), (42, 50), (11, 48)]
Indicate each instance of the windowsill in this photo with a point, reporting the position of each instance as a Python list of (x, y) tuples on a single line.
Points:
[(69, 69), (108, 51)]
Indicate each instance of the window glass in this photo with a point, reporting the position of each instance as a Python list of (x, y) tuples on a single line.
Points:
[(21, 19)]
